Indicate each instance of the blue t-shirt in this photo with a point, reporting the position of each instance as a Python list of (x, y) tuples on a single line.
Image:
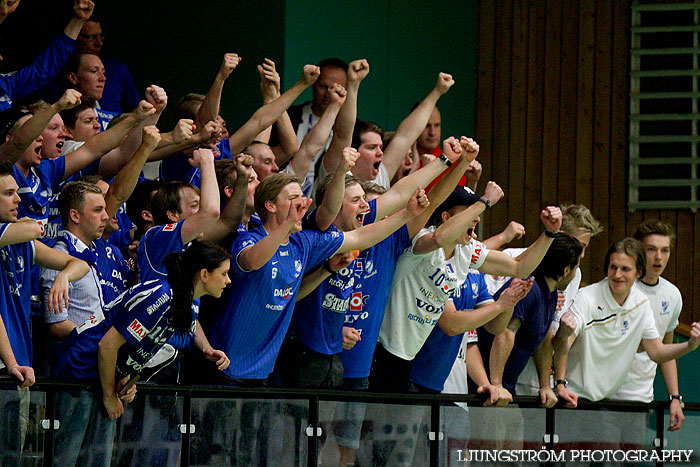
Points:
[(258, 307), (177, 167), (536, 313), (373, 273), (140, 315), (15, 291), (433, 363), (114, 272), (155, 245)]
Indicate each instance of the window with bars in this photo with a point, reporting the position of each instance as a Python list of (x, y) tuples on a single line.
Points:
[(664, 96)]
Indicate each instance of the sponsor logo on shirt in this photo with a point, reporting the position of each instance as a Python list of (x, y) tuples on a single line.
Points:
[(475, 290), (477, 253), (274, 307), (169, 227), (352, 318), (472, 334), (625, 327), (357, 301), (161, 300), (664, 308), (137, 330), (428, 307), (284, 293), (449, 268), (333, 303), (428, 294), (284, 253), (427, 319), (341, 284), (297, 265)]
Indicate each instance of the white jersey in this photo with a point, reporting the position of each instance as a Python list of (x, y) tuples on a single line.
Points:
[(528, 381), (421, 286), (608, 336), (666, 303), (456, 382)]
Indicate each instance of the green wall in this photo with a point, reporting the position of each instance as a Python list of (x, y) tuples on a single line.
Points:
[(406, 43)]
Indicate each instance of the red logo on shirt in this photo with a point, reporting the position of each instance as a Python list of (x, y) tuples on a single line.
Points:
[(476, 255), (357, 301), (169, 227), (137, 330)]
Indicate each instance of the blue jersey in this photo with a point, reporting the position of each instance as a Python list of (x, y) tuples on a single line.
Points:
[(15, 292), (318, 318), (17, 84), (178, 168), (536, 313), (154, 246), (36, 191), (114, 272), (373, 273), (258, 308), (140, 315), (434, 361), (120, 93)]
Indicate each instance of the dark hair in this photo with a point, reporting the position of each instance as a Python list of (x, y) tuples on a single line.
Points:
[(72, 197), (333, 62), (167, 198), (362, 127), (73, 63), (6, 168), (182, 270), (654, 227), (350, 180), (564, 251), (226, 175), (249, 149), (188, 106), (70, 116), (630, 247), (140, 200)]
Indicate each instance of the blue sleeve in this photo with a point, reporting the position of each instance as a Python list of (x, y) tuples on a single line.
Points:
[(484, 294), (322, 245), (121, 239), (53, 170), (47, 65), (371, 216), (224, 149), (3, 228), (244, 240), (155, 245)]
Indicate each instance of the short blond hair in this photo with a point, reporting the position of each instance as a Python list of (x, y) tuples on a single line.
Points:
[(577, 217), (270, 188)]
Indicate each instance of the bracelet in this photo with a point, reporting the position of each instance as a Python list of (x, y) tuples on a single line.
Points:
[(327, 267), (551, 234), (486, 201), (445, 160)]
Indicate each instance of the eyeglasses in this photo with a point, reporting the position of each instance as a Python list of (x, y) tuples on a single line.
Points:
[(92, 37)]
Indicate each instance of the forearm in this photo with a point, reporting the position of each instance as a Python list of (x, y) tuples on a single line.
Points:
[(401, 191), (561, 348), (209, 109), (73, 28), (500, 351), (288, 139), (200, 339), (264, 117), (669, 371), (454, 322), (231, 215), (256, 256), (314, 141), (528, 260), (332, 201), (495, 242), (311, 281), (543, 361), (125, 181), (117, 157), (106, 366), (12, 150), (371, 234), (6, 354), (667, 352), (475, 365), (209, 202), (344, 127), (75, 269)]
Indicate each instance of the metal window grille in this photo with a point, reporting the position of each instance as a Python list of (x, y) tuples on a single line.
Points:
[(664, 98)]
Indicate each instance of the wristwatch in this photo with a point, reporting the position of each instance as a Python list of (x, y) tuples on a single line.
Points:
[(677, 396), (560, 381), (486, 201), (445, 160)]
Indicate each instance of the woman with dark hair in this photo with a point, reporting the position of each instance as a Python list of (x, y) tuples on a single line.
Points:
[(144, 317)]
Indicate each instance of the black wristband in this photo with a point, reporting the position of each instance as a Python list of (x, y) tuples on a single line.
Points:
[(445, 160), (327, 267), (486, 201), (551, 234), (561, 381)]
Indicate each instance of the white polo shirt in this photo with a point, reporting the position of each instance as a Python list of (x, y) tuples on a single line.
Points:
[(666, 304), (608, 336), (422, 284)]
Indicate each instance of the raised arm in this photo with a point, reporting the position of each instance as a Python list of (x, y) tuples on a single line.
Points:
[(317, 137), (270, 88), (332, 265), (500, 264), (127, 178), (269, 113), (345, 123), (232, 213), (371, 234), (82, 10), (209, 109), (109, 139), (12, 150), (256, 256), (410, 129), (209, 201), (333, 198), (401, 191), (510, 233)]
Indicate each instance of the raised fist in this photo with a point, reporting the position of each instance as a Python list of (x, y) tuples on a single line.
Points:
[(310, 74), (444, 83)]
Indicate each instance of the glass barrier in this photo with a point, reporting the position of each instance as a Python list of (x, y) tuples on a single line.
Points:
[(66, 424)]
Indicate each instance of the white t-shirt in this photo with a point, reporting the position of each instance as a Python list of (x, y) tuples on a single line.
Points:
[(456, 382), (666, 303), (608, 336), (529, 382), (421, 286)]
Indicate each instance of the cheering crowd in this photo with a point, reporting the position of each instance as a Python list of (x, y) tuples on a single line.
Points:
[(305, 249)]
